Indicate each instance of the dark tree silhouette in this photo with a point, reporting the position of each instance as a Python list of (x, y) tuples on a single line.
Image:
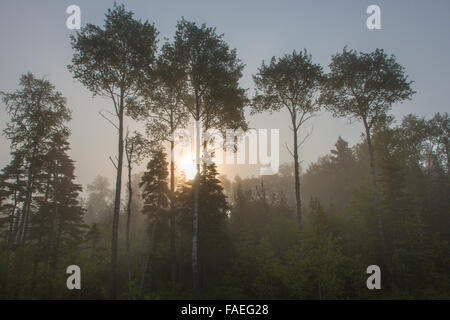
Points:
[(165, 114), (114, 62), (207, 74), (364, 86), (291, 82)]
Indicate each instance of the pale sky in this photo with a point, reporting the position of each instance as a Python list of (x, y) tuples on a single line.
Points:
[(34, 38)]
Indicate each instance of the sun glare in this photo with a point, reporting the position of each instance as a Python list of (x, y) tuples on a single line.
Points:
[(187, 165)]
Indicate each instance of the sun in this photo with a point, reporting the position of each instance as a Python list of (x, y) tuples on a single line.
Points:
[(187, 165)]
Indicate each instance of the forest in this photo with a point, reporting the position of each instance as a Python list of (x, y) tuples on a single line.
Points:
[(306, 232)]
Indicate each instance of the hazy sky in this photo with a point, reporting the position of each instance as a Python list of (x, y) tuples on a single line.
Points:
[(34, 38)]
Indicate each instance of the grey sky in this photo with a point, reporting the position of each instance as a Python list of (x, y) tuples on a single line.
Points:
[(34, 38)]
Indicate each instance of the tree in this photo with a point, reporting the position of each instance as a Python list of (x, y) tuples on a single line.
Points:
[(291, 82), (12, 192), (37, 113), (439, 127), (136, 147), (425, 143), (99, 200), (332, 178), (115, 62), (213, 210), (364, 86), (60, 217), (154, 183), (155, 193), (165, 115), (207, 74)]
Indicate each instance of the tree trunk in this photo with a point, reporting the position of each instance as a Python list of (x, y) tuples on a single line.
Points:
[(147, 259), (298, 199), (9, 244), (55, 237), (23, 226), (376, 200), (39, 241), (130, 198), (173, 256), (37, 252), (195, 263), (115, 231)]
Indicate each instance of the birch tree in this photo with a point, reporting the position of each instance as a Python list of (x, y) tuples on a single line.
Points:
[(165, 115), (114, 61), (292, 83), (364, 86), (208, 87)]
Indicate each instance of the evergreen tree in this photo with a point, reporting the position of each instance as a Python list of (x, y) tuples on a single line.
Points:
[(213, 220), (37, 116), (99, 201), (154, 184), (155, 193)]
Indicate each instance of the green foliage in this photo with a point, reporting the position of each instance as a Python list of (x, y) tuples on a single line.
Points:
[(44, 218), (364, 85), (154, 182), (115, 58), (250, 243), (290, 82), (200, 67), (214, 240)]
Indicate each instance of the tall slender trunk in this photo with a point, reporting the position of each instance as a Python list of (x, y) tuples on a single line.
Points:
[(9, 244), (173, 256), (115, 229), (55, 236), (39, 241), (35, 264), (147, 259), (11, 224), (23, 225), (195, 262), (376, 200), (298, 199), (130, 198), (30, 183), (15, 226)]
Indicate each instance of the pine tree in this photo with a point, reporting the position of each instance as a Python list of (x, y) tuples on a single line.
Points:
[(100, 200), (155, 193), (154, 182), (37, 116), (214, 243)]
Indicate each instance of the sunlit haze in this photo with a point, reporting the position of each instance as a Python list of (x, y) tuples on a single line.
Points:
[(35, 38)]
